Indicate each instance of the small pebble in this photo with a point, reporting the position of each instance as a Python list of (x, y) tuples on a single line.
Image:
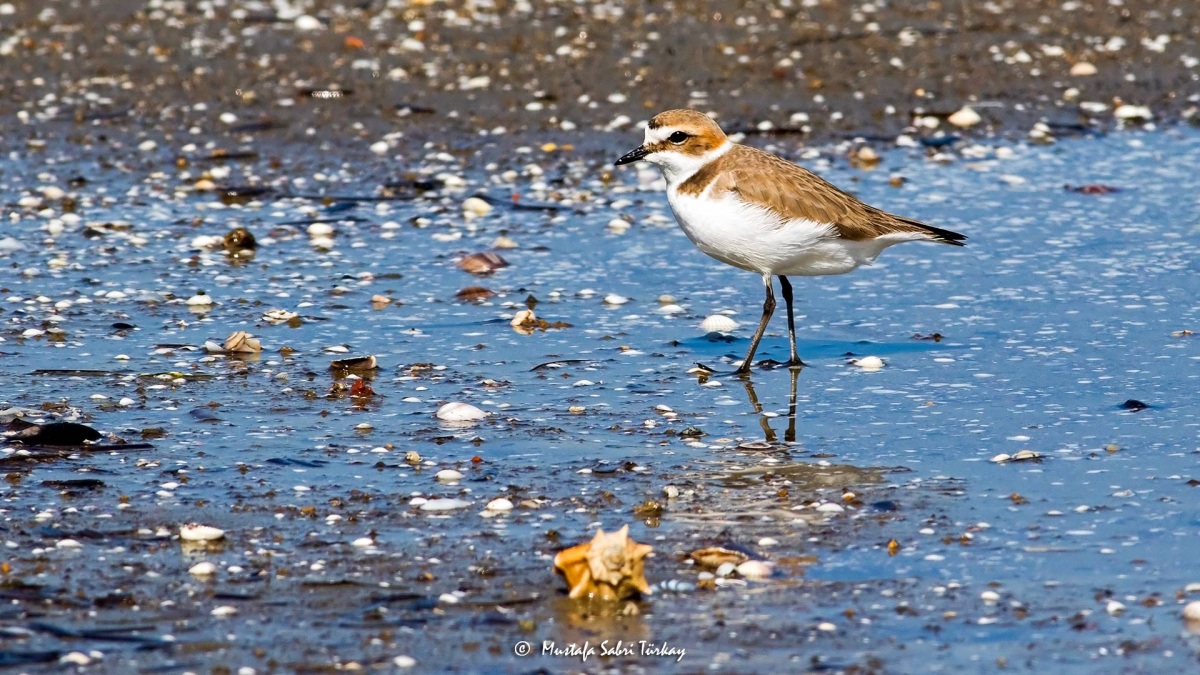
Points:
[(449, 476), (404, 661), (363, 542), (224, 610), (614, 299)]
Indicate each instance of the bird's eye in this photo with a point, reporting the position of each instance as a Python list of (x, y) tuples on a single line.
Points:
[(677, 137)]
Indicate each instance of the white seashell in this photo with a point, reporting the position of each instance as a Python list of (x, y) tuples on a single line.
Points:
[(363, 542), (1083, 69), (202, 569), (379, 148), (614, 299), (768, 541), (75, 659), (964, 118), (826, 626), (448, 599), (200, 300), (474, 206), (68, 543), (676, 586), (830, 507), (868, 363), (444, 504), (320, 230), (308, 22), (404, 661), (499, 504), (224, 610), (278, 316), (198, 532), (755, 570), (1191, 611), (523, 317), (460, 412), (619, 225), (1114, 608), (1133, 112), (449, 476), (725, 569), (989, 597), (718, 323), (1000, 458)]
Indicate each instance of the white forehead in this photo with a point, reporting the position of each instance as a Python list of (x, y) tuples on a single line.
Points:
[(659, 134)]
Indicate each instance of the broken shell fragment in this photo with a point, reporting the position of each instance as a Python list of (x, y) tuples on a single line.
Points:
[(718, 323), (355, 364), (482, 263), (240, 239), (198, 532), (713, 557), (240, 342), (279, 316), (455, 411), (610, 567), (525, 317)]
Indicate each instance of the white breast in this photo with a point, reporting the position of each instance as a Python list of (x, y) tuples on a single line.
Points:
[(758, 239)]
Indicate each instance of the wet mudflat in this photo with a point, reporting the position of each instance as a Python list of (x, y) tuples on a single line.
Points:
[(897, 544), (1065, 306)]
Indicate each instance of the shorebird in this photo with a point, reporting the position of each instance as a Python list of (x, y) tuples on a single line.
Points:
[(761, 213)]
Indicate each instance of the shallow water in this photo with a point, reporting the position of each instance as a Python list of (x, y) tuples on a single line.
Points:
[(1060, 309)]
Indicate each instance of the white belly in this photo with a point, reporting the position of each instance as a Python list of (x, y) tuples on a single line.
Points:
[(756, 239)]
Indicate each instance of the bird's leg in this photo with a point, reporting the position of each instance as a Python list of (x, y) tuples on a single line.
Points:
[(768, 309), (787, 297)]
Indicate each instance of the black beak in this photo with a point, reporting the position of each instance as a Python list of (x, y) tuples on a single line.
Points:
[(632, 156)]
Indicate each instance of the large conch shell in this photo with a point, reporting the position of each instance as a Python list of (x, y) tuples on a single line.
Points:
[(609, 567)]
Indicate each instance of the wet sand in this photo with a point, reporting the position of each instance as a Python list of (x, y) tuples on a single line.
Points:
[(579, 74)]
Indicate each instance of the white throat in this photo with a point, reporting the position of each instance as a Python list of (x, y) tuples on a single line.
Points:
[(677, 167)]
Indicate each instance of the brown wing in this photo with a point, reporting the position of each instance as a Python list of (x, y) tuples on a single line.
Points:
[(797, 192)]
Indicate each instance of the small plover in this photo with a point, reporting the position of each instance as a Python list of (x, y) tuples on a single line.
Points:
[(760, 213)]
